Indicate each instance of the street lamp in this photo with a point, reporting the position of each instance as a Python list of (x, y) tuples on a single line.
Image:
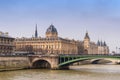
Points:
[(116, 49), (119, 50)]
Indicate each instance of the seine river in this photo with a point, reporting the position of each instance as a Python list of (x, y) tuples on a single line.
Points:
[(82, 72)]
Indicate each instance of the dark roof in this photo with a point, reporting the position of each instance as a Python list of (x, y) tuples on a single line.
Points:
[(3, 35), (98, 43), (105, 43), (51, 29), (87, 36)]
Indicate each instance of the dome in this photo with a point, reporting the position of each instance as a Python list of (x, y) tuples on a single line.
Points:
[(51, 32), (51, 29)]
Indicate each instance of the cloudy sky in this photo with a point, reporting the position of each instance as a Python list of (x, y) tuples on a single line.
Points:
[(101, 18)]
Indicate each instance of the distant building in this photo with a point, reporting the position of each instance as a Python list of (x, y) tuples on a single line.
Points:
[(6, 43), (54, 44), (93, 48)]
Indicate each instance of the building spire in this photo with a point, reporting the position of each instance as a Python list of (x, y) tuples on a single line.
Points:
[(105, 43), (36, 33), (98, 43), (87, 35), (101, 43)]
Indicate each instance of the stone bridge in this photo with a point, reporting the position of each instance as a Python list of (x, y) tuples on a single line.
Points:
[(44, 61)]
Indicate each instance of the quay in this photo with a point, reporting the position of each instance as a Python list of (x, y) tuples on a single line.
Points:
[(52, 61)]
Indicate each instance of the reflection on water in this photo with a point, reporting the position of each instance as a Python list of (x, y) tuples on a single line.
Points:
[(82, 72)]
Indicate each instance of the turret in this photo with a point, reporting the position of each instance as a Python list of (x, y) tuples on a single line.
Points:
[(86, 40), (105, 43), (98, 43), (87, 36), (101, 43)]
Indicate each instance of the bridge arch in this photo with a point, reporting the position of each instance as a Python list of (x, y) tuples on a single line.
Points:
[(103, 61), (67, 63), (109, 59), (41, 64)]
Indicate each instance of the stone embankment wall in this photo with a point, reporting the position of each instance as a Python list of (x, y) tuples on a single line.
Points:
[(13, 62)]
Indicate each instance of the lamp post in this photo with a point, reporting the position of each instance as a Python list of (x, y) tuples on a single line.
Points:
[(119, 50), (92, 50), (116, 49)]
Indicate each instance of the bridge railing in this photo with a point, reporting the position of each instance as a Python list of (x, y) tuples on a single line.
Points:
[(89, 55), (13, 56)]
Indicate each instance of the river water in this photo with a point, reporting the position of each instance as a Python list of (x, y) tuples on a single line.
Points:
[(82, 72)]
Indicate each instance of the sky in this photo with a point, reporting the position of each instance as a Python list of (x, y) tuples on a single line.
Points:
[(72, 18)]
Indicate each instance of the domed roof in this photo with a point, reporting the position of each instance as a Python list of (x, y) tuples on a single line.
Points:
[(51, 29)]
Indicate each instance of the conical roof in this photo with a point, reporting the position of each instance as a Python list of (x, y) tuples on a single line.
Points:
[(105, 43), (98, 43), (87, 36)]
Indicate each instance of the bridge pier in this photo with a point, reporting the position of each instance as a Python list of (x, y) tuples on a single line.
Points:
[(54, 63), (54, 67), (40, 61)]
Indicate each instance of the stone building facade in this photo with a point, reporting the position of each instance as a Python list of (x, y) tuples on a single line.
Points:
[(6, 43), (50, 44), (54, 44)]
